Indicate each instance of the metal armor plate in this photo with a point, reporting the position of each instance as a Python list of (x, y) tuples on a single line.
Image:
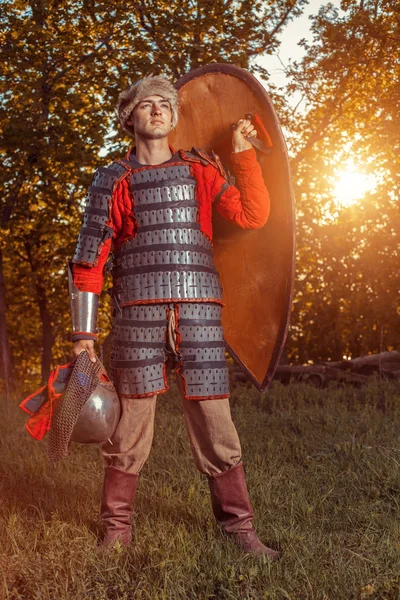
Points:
[(141, 343), (169, 258), (94, 230)]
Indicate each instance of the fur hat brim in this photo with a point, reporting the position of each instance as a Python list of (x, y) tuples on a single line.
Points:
[(149, 86)]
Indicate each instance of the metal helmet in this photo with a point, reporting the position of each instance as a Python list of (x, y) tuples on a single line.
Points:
[(90, 409), (99, 416)]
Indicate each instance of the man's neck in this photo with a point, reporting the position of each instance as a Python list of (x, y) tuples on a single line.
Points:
[(152, 152)]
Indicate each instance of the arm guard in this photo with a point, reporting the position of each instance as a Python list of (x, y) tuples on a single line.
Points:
[(84, 307)]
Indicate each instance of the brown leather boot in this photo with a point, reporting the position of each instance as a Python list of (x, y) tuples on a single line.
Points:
[(233, 511), (119, 490)]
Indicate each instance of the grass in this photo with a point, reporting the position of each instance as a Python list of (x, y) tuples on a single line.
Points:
[(323, 470)]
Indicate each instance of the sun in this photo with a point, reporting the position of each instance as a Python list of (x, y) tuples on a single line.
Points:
[(351, 185)]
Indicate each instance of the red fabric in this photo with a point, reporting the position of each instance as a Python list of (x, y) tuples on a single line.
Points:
[(123, 222), (262, 132), (39, 423), (160, 300), (246, 204), (25, 402)]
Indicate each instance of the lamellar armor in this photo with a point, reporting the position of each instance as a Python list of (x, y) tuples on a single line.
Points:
[(94, 232), (95, 228), (169, 259)]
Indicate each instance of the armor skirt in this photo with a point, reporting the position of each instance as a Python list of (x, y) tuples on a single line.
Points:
[(144, 336)]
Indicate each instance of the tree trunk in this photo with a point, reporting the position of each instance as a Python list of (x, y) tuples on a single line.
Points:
[(6, 361), (48, 337)]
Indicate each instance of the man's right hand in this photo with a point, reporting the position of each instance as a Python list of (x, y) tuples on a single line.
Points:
[(83, 345)]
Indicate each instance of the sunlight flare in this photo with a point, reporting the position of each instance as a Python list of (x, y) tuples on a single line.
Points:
[(351, 185)]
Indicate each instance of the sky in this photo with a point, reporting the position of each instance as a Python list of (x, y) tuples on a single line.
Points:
[(351, 184), (297, 29)]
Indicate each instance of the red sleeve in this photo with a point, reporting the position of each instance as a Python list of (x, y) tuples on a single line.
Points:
[(122, 221), (247, 202), (90, 279)]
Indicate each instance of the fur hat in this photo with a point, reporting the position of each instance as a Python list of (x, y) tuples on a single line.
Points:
[(149, 86)]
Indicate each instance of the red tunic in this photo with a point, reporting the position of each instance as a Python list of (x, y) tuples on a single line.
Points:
[(246, 204)]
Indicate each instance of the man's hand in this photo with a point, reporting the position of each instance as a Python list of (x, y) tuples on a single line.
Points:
[(83, 345), (243, 129)]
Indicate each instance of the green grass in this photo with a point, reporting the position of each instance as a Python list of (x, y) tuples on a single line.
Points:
[(323, 470)]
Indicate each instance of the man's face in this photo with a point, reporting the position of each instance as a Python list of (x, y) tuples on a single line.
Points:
[(152, 118)]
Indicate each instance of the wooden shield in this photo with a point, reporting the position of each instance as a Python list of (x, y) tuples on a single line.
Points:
[(256, 267)]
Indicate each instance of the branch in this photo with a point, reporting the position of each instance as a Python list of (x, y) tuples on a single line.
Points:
[(315, 137), (11, 200), (85, 57), (283, 20), (142, 17)]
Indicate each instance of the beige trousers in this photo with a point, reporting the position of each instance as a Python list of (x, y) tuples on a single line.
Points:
[(213, 437)]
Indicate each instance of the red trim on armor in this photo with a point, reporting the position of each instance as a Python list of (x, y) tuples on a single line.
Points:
[(85, 333), (207, 397), (148, 395), (161, 166), (128, 170), (189, 156), (83, 263), (183, 379), (164, 300), (165, 376)]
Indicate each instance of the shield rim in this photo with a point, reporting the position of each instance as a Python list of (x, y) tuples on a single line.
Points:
[(252, 82)]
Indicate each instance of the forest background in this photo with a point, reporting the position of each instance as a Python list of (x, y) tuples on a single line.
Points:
[(64, 64)]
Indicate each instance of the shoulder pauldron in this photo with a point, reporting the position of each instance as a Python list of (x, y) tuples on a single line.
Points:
[(95, 228), (198, 155)]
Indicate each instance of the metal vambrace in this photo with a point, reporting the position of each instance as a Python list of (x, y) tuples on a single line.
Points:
[(84, 308)]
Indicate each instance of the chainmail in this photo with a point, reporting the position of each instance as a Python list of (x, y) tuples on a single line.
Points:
[(83, 381)]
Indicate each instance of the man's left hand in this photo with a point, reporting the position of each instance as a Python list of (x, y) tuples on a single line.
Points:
[(244, 129)]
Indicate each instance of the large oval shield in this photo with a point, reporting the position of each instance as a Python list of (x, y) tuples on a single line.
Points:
[(256, 267)]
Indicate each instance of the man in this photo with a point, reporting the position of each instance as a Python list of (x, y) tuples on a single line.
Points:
[(155, 208)]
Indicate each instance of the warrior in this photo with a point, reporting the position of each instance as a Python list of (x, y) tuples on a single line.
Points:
[(153, 209)]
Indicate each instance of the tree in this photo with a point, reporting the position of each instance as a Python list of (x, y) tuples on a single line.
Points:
[(347, 288), (65, 63)]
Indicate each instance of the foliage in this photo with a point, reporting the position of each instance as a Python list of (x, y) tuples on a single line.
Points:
[(323, 475), (347, 300), (64, 65)]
